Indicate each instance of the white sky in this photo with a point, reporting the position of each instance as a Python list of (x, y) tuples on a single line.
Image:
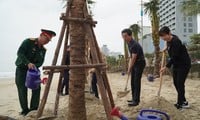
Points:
[(20, 19)]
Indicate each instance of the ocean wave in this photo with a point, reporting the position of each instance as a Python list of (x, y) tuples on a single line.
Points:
[(7, 74)]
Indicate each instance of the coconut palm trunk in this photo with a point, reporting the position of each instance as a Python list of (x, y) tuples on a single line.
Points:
[(151, 8), (156, 42), (77, 110)]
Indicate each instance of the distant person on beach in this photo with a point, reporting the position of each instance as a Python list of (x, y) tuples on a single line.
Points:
[(94, 88), (180, 62), (136, 66), (30, 55), (65, 82)]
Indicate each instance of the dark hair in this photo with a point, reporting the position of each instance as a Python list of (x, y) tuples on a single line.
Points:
[(128, 31), (164, 31)]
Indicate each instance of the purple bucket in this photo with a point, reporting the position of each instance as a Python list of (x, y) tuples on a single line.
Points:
[(152, 115), (33, 79)]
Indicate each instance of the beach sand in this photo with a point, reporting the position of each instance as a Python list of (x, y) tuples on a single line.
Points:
[(9, 105)]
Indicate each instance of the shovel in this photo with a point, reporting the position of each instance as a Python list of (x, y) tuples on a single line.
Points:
[(161, 74), (126, 86), (121, 94)]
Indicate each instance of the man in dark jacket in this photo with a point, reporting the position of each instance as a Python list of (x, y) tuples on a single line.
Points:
[(136, 66), (180, 62), (30, 55)]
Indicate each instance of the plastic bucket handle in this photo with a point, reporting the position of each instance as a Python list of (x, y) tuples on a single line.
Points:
[(155, 111)]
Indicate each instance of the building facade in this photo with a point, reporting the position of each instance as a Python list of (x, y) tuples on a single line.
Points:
[(172, 16), (105, 50), (148, 46)]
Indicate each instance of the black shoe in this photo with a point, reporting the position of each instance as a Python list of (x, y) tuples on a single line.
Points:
[(179, 107), (24, 112), (33, 109), (176, 104), (133, 103), (185, 105), (129, 100), (97, 96)]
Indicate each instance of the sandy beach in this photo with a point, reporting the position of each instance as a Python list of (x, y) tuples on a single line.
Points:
[(9, 105)]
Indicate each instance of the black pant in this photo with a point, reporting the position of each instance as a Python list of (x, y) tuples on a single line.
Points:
[(20, 78), (136, 75), (65, 82), (94, 85), (179, 77)]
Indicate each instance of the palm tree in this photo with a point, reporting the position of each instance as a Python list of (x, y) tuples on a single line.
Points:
[(90, 4), (77, 109), (194, 47), (151, 9), (135, 28), (191, 7)]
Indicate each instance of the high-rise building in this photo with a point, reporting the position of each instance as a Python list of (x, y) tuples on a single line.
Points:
[(172, 16), (105, 50), (147, 42), (146, 30)]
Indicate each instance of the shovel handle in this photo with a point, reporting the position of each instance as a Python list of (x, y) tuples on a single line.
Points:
[(161, 74), (127, 83)]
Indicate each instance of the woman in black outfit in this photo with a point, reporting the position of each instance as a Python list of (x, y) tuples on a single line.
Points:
[(180, 63)]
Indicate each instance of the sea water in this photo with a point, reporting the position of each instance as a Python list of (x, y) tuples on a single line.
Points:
[(7, 75)]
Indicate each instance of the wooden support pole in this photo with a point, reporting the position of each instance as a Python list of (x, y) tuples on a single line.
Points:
[(47, 87), (46, 72), (95, 46), (95, 60), (107, 85), (61, 73), (105, 77), (107, 105), (73, 66)]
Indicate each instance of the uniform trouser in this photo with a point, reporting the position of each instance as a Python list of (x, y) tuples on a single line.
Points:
[(20, 78), (179, 77), (136, 75), (65, 82)]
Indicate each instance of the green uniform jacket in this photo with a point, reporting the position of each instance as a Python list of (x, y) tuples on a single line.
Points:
[(30, 52)]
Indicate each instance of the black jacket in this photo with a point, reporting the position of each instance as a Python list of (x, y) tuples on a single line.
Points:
[(178, 54)]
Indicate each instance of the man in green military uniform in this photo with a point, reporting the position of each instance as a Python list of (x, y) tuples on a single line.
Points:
[(30, 55)]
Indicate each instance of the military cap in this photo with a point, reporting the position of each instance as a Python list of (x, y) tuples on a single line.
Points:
[(48, 33)]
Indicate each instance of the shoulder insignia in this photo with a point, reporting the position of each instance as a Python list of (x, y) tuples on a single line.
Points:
[(32, 39)]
